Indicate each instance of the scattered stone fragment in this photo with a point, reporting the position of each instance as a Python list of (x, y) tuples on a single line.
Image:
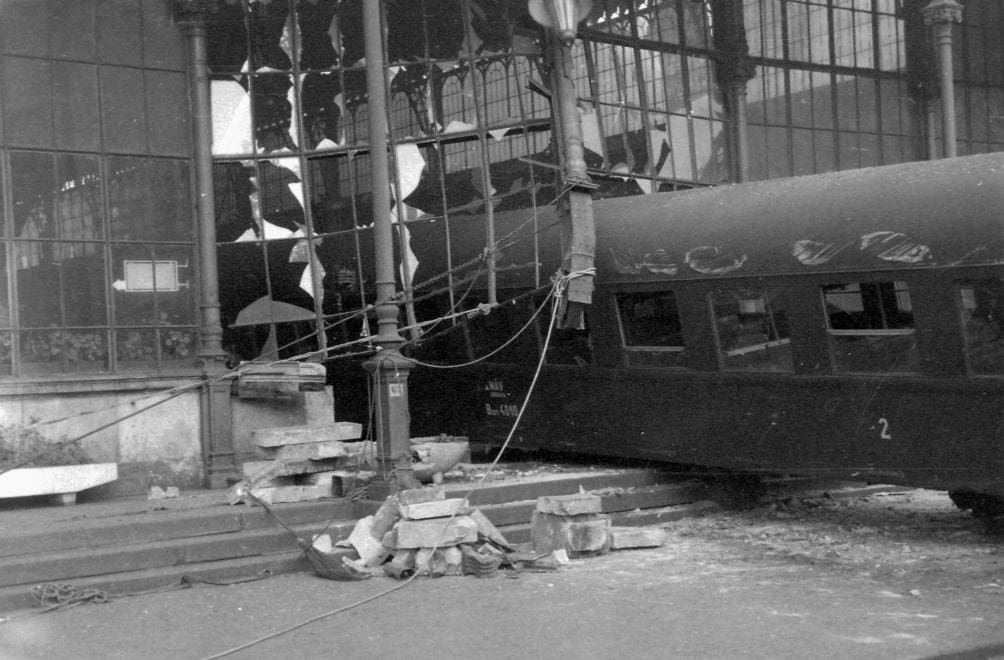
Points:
[(322, 543), (158, 493), (385, 517), (579, 535), (622, 538), (452, 558), (434, 532), (401, 565), (433, 509), (487, 530), (371, 551)]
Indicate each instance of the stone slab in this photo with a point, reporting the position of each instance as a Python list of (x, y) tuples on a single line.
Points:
[(419, 495), (55, 480), (433, 509), (306, 451), (280, 468), (292, 435), (434, 532), (286, 494)]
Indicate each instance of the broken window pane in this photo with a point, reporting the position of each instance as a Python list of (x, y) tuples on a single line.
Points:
[(870, 325), (650, 329), (752, 330), (982, 308)]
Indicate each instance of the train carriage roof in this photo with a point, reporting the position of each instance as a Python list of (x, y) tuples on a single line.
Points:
[(940, 213), (925, 214)]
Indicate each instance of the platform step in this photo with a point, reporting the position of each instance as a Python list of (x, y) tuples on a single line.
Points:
[(154, 549)]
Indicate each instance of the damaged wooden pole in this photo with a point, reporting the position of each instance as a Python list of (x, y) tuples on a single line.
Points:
[(576, 211), (388, 369)]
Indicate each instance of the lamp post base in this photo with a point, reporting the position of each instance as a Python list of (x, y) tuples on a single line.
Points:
[(389, 371)]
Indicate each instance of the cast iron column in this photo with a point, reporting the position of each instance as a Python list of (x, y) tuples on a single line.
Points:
[(941, 15), (733, 70), (217, 429), (388, 369)]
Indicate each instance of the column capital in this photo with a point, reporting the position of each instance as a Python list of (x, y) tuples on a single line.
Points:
[(942, 11)]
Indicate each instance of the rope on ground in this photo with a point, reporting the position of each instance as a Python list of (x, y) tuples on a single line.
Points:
[(54, 596)]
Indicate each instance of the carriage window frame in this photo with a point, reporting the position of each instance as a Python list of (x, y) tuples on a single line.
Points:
[(885, 316), (754, 306), (990, 351), (669, 354)]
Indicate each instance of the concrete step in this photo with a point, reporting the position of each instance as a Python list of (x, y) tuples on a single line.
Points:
[(161, 549), (17, 600), (92, 530), (72, 564)]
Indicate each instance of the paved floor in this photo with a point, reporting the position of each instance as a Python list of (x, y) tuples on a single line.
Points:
[(670, 602)]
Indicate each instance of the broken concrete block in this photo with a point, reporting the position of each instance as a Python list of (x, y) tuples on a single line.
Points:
[(156, 493), (435, 532), (622, 538), (294, 435), (385, 517), (313, 451), (578, 535), (419, 495), (487, 530), (401, 565), (371, 551), (430, 562), (452, 558), (570, 505), (433, 509), (322, 543), (236, 493)]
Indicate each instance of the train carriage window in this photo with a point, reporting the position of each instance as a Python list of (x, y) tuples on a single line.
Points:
[(982, 307), (870, 325), (650, 329), (752, 330)]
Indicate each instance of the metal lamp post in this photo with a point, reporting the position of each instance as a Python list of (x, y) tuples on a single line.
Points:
[(388, 369)]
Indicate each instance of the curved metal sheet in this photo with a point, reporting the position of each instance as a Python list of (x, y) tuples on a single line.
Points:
[(914, 215)]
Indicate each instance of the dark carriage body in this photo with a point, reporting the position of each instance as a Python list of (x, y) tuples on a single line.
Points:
[(869, 370)]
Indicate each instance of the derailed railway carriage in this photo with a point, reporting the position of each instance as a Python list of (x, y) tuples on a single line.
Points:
[(846, 324)]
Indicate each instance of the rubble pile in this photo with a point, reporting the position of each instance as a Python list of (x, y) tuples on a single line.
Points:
[(302, 463), (421, 532)]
